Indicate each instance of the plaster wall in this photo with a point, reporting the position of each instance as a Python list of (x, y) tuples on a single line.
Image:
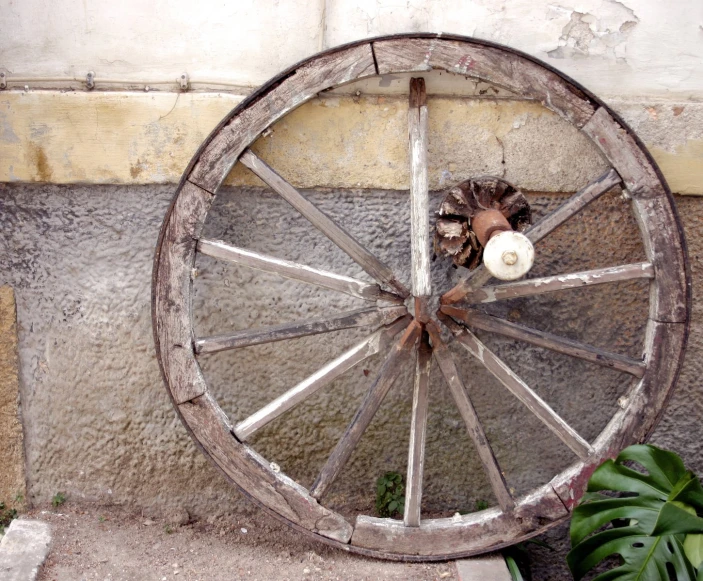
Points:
[(99, 425), (338, 140), (630, 48)]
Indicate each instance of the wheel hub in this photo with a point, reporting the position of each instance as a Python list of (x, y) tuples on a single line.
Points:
[(474, 211)]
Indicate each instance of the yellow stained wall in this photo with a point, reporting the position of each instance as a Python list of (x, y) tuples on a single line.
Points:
[(334, 141), (12, 483)]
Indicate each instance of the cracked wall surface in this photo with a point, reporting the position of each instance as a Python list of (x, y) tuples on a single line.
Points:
[(644, 57), (603, 34)]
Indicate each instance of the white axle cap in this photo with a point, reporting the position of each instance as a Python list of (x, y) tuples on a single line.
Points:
[(508, 255)]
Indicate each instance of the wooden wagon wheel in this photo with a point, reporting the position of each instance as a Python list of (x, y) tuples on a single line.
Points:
[(405, 339)]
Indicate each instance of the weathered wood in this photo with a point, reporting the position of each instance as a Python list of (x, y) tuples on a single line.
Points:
[(346, 320), (324, 223), (247, 122), (419, 190), (639, 411), (493, 65), (422, 309), (478, 320), (519, 389), (418, 428), (254, 475), (573, 206), (670, 291), (537, 232), (468, 534), (373, 344), (473, 423), (622, 152), (389, 372), (351, 286), (172, 294), (548, 284), (655, 214)]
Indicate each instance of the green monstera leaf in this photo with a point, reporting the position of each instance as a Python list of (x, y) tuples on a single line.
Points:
[(653, 528)]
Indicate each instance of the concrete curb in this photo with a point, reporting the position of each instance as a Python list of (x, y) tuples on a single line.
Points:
[(23, 549), (487, 568)]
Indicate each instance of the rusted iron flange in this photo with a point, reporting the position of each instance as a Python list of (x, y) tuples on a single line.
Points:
[(474, 210)]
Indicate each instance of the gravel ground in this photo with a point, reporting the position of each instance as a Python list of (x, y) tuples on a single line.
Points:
[(115, 544)]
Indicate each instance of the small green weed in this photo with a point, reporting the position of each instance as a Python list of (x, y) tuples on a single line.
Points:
[(101, 518), (481, 505), (7, 515), (390, 495), (58, 499), (168, 529)]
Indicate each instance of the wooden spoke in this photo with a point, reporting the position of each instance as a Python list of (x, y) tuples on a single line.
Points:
[(537, 232), (419, 193), (346, 320), (373, 344), (473, 424), (573, 206), (390, 370), (418, 426), (549, 284), (324, 223), (556, 343), (519, 389), (351, 286)]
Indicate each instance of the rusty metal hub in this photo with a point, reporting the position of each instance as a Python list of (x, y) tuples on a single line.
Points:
[(474, 211)]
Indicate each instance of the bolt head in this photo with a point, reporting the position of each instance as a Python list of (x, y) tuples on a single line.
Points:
[(509, 257)]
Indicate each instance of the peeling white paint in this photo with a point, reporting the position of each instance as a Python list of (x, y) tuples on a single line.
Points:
[(604, 33), (634, 47), (613, 48)]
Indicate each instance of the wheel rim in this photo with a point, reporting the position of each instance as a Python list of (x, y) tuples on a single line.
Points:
[(518, 518)]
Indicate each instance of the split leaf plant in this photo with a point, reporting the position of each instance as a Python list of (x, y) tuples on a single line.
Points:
[(651, 521)]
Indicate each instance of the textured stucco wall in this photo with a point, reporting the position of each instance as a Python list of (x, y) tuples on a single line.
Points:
[(97, 420), (100, 426)]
